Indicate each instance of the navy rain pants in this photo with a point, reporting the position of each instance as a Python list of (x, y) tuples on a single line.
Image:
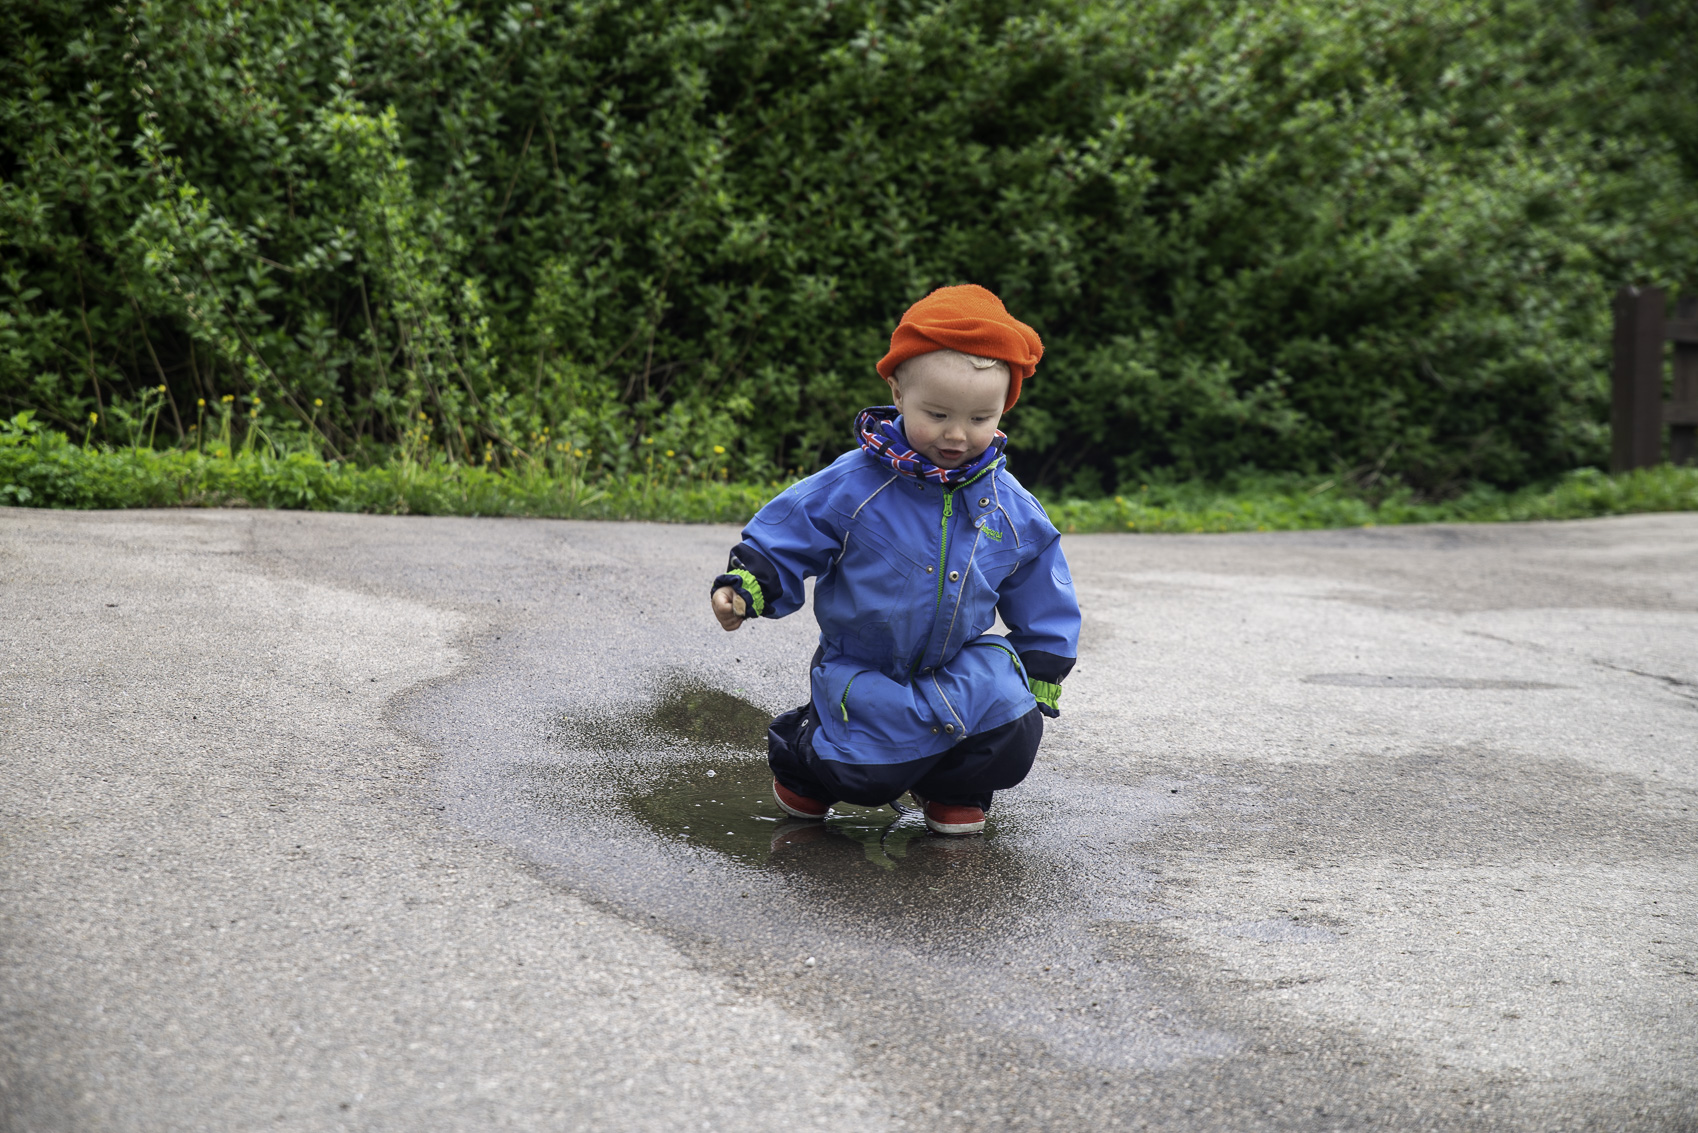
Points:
[(964, 775)]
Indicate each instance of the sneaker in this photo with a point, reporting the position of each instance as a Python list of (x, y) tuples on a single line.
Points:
[(946, 819), (798, 806)]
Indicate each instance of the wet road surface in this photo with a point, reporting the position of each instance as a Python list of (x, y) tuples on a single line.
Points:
[(1385, 828)]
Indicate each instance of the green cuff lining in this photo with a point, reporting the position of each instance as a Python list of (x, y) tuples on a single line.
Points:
[(753, 587), (1047, 694)]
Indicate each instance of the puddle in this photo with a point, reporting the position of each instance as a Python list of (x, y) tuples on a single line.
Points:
[(690, 773), (701, 715), (726, 805), (660, 807)]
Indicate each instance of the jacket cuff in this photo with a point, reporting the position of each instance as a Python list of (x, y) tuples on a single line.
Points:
[(747, 587), (1041, 665), (1046, 694)]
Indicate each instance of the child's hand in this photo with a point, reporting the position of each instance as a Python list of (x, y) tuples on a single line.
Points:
[(729, 608)]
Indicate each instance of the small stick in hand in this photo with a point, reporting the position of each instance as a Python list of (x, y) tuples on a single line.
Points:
[(729, 608)]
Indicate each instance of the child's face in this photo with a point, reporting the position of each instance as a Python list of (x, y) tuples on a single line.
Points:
[(949, 409)]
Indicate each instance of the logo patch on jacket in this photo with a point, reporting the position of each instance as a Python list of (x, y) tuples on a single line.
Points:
[(984, 525)]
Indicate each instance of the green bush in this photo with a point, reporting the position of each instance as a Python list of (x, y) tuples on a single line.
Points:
[(1290, 236)]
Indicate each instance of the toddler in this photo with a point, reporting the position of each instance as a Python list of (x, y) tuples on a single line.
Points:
[(919, 537)]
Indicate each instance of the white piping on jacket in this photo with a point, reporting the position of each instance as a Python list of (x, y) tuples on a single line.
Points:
[(894, 476), (979, 533), (949, 706)]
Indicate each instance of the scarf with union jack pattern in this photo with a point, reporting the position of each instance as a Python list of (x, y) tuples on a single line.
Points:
[(880, 432)]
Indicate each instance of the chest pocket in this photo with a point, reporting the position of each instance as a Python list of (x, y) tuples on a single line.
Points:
[(880, 579), (868, 540)]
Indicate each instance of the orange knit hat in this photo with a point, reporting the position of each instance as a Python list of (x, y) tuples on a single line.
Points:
[(969, 319)]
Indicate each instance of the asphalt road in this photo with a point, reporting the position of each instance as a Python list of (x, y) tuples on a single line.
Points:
[(317, 822)]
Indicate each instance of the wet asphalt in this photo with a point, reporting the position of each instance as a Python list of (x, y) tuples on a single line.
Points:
[(468, 827)]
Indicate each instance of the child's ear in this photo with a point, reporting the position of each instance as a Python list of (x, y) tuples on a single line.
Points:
[(895, 392)]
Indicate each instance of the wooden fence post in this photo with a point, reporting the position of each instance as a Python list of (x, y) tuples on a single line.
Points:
[(1636, 419), (1681, 413)]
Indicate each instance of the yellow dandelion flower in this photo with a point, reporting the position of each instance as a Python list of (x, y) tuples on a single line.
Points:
[(669, 452), (93, 417), (719, 450), (161, 389), (201, 401), (228, 398)]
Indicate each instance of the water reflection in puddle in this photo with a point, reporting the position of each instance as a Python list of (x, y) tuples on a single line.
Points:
[(691, 771), (726, 805)]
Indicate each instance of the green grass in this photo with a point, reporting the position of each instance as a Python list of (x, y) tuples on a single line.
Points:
[(1293, 504), (42, 469), (45, 469)]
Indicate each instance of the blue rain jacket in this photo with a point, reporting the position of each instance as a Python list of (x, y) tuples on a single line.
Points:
[(911, 576)]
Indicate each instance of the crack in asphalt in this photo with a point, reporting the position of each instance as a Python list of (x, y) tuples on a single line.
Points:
[(1673, 683)]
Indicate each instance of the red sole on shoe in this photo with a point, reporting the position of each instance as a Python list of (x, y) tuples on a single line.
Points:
[(796, 812)]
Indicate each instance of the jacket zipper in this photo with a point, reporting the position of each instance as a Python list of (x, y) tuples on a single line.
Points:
[(943, 544), (843, 704), (943, 549)]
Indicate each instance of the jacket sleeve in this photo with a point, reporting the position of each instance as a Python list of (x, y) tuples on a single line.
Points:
[(790, 539), (1038, 605)]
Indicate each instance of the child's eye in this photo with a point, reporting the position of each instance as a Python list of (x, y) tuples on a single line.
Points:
[(939, 416)]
